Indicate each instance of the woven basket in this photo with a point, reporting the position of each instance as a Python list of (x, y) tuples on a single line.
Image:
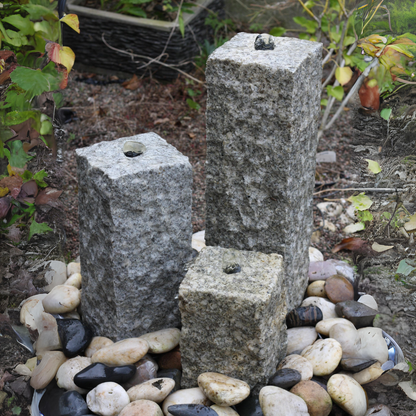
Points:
[(138, 36)]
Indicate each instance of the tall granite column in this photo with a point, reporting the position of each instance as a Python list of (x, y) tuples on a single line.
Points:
[(262, 122), (135, 234)]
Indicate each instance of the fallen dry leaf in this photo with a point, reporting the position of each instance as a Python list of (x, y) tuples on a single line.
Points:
[(14, 183), (380, 248), (161, 121), (48, 196), (411, 225), (132, 84), (4, 206), (355, 245)]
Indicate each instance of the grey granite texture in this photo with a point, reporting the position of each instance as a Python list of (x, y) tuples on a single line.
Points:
[(135, 235), (262, 121), (233, 324)]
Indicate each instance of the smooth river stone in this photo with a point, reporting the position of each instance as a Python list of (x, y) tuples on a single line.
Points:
[(299, 363), (146, 369), (124, 352), (299, 338), (174, 374), (316, 398), (170, 360), (373, 344), (223, 390), (369, 301), (379, 410), (275, 401), (224, 410), (98, 373), (327, 307), (339, 289), (107, 399), (315, 255), (156, 390), (162, 341), (45, 372), (48, 339), (348, 337), (249, 407), (369, 374), (62, 299), (325, 326), (324, 355), (321, 270), (285, 378), (58, 402), (358, 313), (191, 410), (317, 289), (304, 316), (68, 370), (26, 312), (96, 344), (186, 396), (72, 268), (347, 394), (142, 408), (356, 365), (74, 280), (75, 336)]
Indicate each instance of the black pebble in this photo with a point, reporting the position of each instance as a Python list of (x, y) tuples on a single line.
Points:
[(304, 316), (174, 374), (249, 407), (75, 336), (285, 378), (97, 373), (359, 314), (191, 410)]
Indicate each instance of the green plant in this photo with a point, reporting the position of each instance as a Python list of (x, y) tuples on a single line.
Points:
[(34, 67)]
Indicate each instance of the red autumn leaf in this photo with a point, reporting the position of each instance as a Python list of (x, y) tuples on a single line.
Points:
[(62, 55), (10, 64), (356, 245), (4, 206), (132, 84), (48, 196), (369, 96), (61, 69), (14, 183)]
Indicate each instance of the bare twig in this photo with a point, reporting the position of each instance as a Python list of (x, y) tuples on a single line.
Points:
[(150, 59), (358, 190)]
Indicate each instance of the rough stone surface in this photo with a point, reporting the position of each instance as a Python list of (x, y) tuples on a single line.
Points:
[(262, 121), (135, 234), (233, 324)]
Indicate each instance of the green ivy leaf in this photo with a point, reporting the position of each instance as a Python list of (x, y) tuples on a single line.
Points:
[(27, 176), (310, 25), (38, 177), (36, 228), (192, 104), (35, 81), (324, 102), (18, 157), (364, 216), (16, 117), (337, 92), (405, 268), (24, 24), (373, 166), (278, 31), (385, 113), (361, 202), (181, 25)]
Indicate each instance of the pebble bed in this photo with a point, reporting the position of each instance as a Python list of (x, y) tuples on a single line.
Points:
[(333, 351)]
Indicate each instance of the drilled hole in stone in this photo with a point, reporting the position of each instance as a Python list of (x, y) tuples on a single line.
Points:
[(133, 149), (232, 268)]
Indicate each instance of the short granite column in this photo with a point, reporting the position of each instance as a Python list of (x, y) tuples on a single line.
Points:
[(135, 234), (233, 309), (262, 121)]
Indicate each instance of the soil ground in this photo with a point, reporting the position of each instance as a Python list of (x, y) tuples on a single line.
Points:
[(100, 108)]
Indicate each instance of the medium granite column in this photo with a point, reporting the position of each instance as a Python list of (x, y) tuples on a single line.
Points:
[(135, 234), (262, 121)]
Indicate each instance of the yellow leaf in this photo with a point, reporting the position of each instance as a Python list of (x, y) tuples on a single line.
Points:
[(61, 55), (72, 21), (376, 39), (10, 170), (411, 225), (373, 166), (380, 248), (353, 228), (343, 75), (3, 191)]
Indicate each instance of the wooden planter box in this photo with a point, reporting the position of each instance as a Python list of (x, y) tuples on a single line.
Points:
[(139, 36)]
